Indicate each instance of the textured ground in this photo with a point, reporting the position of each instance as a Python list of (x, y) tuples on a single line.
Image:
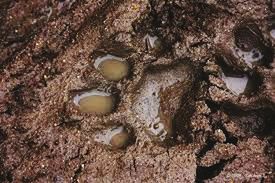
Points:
[(45, 53)]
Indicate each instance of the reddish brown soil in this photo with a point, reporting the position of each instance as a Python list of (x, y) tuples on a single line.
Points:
[(45, 54)]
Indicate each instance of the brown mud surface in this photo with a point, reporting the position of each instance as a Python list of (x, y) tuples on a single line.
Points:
[(45, 55)]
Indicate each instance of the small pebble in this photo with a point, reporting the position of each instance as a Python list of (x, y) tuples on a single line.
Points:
[(272, 33), (117, 137), (249, 57), (111, 67), (236, 85), (153, 43), (95, 102)]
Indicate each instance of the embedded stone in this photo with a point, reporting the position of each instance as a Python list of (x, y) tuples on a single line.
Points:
[(249, 43), (153, 43), (95, 102), (272, 33), (117, 137), (236, 85), (111, 67), (160, 95)]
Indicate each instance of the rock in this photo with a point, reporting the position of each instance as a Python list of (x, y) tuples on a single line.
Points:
[(95, 102), (117, 137), (111, 67), (160, 95)]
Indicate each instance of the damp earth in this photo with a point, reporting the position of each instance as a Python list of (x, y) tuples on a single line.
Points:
[(137, 91)]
